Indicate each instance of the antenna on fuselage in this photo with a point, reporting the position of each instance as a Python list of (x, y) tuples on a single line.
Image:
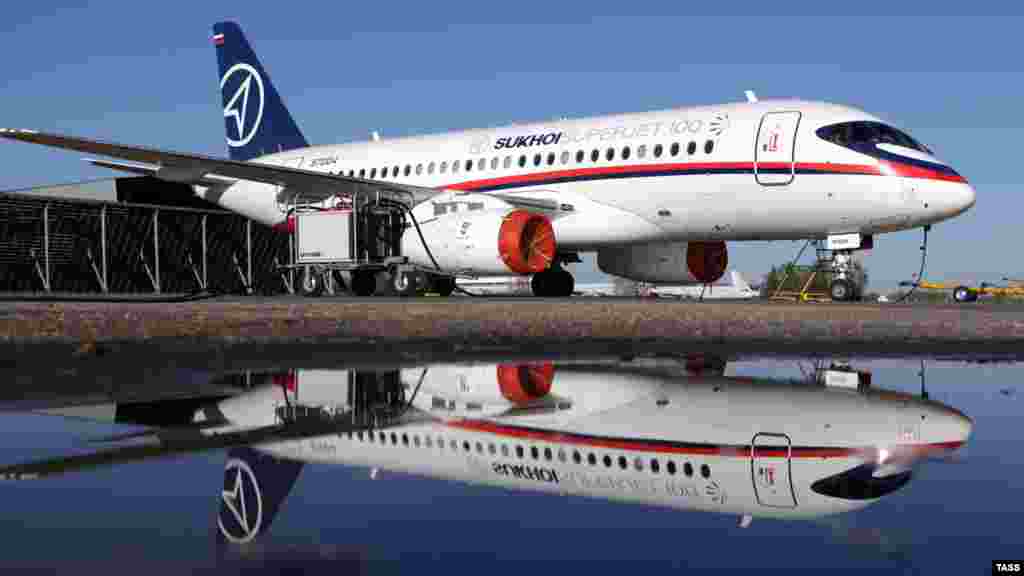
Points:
[(751, 97), (376, 136)]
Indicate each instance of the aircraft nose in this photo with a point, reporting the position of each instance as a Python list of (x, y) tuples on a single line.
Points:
[(964, 198)]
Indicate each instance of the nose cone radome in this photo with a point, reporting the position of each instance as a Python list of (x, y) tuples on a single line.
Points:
[(963, 198)]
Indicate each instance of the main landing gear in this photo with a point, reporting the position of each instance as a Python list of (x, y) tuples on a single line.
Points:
[(554, 282)]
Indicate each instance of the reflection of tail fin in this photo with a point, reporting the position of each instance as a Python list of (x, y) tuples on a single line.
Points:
[(255, 118), (255, 486)]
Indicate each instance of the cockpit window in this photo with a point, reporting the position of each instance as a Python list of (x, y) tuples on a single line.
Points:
[(853, 134)]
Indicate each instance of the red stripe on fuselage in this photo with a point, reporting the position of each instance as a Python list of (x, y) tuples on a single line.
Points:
[(643, 445)]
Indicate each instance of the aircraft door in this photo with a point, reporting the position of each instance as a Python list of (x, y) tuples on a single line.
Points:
[(771, 471), (775, 150)]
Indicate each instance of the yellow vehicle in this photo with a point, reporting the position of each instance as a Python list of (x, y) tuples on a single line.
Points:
[(964, 293)]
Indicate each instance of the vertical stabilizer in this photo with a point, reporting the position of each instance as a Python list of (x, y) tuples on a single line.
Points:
[(256, 121)]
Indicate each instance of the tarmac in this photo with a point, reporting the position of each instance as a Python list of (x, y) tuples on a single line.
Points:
[(293, 327)]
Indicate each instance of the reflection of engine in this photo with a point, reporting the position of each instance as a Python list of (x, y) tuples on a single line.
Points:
[(487, 242), (521, 384), (675, 262)]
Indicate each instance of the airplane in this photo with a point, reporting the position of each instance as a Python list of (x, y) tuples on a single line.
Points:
[(730, 286), (656, 195), (681, 435)]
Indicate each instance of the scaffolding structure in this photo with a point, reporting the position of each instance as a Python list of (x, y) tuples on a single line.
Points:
[(57, 245)]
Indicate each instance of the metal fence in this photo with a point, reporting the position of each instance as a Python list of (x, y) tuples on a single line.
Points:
[(55, 245)]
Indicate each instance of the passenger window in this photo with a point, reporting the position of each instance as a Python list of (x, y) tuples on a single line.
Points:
[(453, 445), (465, 446), (595, 155), (494, 163), (625, 153), (534, 452), (576, 456), (610, 154), (373, 173), (536, 159), (455, 167), (607, 461), (444, 167), (623, 463), (408, 170), (419, 169), (479, 448), (394, 172), (657, 150), (547, 454), (688, 469), (469, 165), (551, 158), (522, 161), (705, 470), (641, 151), (671, 468), (416, 441), (394, 439), (709, 146), (428, 441), (565, 157), (691, 148), (579, 156), (504, 450), (638, 463), (654, 465), (519, 451), (591, 459), (481, 164), (492, 449), (508, 162), (675, 149), (430, 168), (561, 455)]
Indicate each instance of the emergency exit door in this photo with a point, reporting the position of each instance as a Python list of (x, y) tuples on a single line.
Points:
[(771, 472), (775, 151)]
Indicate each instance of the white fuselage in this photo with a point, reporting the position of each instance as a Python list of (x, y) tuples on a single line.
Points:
[(640, 435), (744, 171)]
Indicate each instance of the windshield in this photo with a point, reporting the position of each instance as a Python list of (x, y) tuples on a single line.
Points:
[(854, 134)]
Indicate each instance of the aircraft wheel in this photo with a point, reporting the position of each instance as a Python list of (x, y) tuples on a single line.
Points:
[(842, 290), (962, 294), (565, 283), (311, 284), (407, 282), (553, 283), (443, 285), (539, 283), (363, 283)]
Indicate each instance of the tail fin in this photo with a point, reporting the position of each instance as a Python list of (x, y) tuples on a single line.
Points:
[(255, 119), (255, 486)]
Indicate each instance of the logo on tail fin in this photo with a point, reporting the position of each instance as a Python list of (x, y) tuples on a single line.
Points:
[(241, 510), (238, 106)]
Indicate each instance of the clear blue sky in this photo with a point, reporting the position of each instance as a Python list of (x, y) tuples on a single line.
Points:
[(144, 73)]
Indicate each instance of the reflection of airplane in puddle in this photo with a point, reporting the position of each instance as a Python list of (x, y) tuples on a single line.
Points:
[(655, 434)]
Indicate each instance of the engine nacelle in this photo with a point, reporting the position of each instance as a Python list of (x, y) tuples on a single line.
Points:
[(673, 262), (492, 242)]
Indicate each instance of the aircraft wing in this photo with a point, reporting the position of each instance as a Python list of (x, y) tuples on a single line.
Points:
[(169, 442), (209, 171), (195, 168)]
